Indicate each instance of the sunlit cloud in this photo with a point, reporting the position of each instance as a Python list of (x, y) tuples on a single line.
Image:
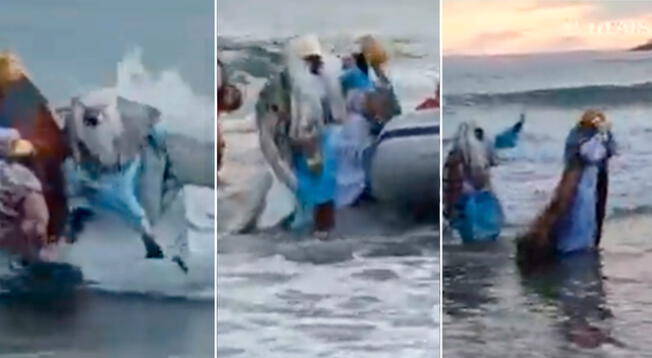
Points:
[(523, 26)]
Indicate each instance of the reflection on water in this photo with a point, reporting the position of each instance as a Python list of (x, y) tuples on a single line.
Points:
[(574, 286), (579, 306), (468, 274)]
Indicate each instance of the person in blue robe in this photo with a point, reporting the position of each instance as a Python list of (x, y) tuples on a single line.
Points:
[(470, 205), (572, 221)]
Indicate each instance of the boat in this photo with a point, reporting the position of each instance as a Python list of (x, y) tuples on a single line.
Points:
[(405, 163)]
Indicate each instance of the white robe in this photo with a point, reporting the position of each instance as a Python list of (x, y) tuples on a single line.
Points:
[(353, 137)]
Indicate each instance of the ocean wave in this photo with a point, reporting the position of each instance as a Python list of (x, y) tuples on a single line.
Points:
[(624, 212), (598, 95), (184, 111), (260, 58)]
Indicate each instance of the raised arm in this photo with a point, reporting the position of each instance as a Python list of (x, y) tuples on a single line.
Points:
[(509, 137)]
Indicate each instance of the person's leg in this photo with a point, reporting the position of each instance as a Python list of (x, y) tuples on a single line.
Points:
[(324, 215), (33, 225)]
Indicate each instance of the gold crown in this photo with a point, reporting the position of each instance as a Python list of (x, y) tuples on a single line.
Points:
[(373, 50), (11, 68), (590, 117)]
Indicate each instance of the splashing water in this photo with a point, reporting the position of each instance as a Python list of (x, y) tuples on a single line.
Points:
[(184, 111)]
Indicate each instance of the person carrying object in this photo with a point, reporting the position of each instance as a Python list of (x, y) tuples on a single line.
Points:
[(572, 221)]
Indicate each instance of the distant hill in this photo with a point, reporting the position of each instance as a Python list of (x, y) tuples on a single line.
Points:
[(645, 47)]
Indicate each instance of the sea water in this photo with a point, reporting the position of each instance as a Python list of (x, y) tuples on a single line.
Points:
[(490, 308), (372, 291)]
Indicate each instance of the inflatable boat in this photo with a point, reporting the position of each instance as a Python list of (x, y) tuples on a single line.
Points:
[(405, 163)]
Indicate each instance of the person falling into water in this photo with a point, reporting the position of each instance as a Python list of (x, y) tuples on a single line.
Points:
[(572, 221)]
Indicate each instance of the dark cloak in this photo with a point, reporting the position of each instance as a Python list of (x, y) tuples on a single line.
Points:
[(539, 243), (23, 107)]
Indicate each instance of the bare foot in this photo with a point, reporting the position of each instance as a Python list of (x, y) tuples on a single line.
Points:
[(322, 235)]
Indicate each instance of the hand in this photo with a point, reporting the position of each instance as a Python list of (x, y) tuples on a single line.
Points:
[(521, 118), (604, 136), (603, 126), (22, 148)]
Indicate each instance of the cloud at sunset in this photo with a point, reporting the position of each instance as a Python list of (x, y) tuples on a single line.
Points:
[(525, 26)]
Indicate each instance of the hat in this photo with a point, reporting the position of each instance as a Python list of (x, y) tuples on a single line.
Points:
[(373, 50), (307, 45)]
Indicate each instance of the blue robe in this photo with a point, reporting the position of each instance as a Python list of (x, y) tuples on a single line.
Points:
[(355, 79), (481, 216), (118, 191), (577, 229), (509, 137), (315, 188)]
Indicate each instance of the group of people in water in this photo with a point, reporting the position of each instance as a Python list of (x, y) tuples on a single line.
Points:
[(570, 223), (96, 151), (317, 120)]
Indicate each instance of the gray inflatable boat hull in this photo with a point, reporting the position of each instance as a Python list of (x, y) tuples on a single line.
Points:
[(405, 164)]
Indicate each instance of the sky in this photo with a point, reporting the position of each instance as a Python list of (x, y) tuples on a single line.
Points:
[(283, 18), (486, 27), (72, 45)]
